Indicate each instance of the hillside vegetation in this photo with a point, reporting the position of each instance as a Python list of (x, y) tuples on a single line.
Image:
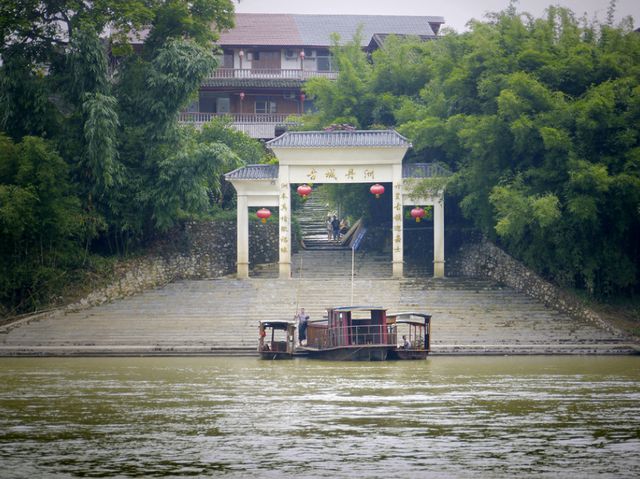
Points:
[(539, 118), (92, 160)]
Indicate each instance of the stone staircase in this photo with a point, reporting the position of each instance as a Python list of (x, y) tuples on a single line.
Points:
[(312, 219), (220, 317)]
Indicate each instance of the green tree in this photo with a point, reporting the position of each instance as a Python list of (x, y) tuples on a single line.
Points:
[(538, 118), (41, 230), (111, 120), (347, 100)]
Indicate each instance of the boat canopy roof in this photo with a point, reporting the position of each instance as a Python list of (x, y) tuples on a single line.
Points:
[(358, 308), (411, 317), (276, 323)]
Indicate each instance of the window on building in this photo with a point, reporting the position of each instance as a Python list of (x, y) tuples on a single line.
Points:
[(265, 104), (211, 102), (266, 60), (227, 59), (223, 104), (325, 61)]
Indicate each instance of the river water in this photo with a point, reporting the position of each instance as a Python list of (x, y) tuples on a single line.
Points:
[(240, 417)]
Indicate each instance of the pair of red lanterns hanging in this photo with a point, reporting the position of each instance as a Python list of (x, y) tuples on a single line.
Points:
[(305, 190), (264, 214), (418, 213)]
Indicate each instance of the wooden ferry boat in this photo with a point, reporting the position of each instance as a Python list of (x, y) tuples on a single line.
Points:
[(352, 333), (276, 339), (414, 331)]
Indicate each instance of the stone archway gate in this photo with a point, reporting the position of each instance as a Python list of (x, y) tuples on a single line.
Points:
[(358, 156)]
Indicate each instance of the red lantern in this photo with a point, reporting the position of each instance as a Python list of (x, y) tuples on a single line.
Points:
[(304, 191), (417, 213), (377, 190), (263, 214)]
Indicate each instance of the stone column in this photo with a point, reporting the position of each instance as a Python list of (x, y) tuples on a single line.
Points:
[(284, 202), (438, 237), (398, 232), (242, 242)]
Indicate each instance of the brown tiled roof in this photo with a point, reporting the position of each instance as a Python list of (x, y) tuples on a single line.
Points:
[(264, 29)]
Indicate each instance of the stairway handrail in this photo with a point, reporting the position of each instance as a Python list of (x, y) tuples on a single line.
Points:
[(348, 238)]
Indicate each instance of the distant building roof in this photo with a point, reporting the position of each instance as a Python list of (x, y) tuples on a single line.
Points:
[(339, 139), (378, 39), (254, 172), (254, 29)]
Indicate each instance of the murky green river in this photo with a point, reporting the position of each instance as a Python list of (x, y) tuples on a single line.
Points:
[(242, 417)]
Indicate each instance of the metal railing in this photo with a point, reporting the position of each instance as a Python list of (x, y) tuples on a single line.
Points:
[(288, 74), (323, 337)]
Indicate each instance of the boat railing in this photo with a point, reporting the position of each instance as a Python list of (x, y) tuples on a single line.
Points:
[(323, 337)]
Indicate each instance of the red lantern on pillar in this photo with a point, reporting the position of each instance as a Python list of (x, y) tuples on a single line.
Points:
[(377, 190), (263, 214), (304, 191), (417, 213)]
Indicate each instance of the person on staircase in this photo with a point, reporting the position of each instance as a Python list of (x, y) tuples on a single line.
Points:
[(344, 227), (329, 227), (335, 224)]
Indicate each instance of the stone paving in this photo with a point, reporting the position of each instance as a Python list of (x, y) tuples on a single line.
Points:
[(220, 317)]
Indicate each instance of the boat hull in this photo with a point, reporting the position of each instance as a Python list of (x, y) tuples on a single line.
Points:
[(275, 355), (349, 353), (407, 354)]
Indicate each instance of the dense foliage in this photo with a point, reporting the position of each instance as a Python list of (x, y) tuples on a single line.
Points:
[(540, 121), (92, 158)]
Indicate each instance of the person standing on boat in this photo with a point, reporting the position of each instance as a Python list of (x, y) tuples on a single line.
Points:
[(303, 319), (405, 343)]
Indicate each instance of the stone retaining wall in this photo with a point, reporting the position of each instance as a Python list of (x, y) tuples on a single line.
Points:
[(197, 250), (486, 260)]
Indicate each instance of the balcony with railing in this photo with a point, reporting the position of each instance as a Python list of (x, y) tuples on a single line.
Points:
[(256, 125), (272, 73)]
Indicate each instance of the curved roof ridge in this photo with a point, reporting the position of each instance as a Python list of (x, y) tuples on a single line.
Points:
[(253, 172), (340, 139)]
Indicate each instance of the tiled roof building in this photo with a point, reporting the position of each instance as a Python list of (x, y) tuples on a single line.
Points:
[(316, 30), (267, 58)]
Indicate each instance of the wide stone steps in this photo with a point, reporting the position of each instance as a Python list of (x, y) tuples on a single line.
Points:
[(220, 316), (202, 317)]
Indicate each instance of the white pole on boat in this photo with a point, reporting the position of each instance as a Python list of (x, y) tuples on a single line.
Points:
[(298, 285), (353, 262)]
